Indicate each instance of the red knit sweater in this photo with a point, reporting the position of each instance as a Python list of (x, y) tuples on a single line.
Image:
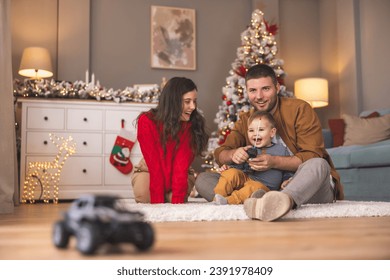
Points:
[(169, 172)]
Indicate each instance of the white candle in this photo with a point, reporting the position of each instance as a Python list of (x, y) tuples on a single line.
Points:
[(93, 79), (86, 77)]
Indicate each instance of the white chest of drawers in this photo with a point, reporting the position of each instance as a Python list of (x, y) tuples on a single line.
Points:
[(94, 126)]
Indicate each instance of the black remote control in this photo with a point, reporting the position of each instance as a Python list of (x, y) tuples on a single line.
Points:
[(252, 152)]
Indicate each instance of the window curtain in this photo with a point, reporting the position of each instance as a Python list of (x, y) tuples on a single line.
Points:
[(8, 161)]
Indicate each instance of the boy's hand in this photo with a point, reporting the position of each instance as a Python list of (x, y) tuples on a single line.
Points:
[(223, 168)]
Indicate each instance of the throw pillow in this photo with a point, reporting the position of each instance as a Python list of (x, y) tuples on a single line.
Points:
[(336, 126), (372, 115), (363, 131)]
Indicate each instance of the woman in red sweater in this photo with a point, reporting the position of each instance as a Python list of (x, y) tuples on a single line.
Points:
[(170, 136)]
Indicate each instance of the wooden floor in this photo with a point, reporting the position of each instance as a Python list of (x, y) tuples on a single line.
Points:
[(26, 234)]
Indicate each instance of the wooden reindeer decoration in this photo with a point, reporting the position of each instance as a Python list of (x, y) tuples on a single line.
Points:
[(47, 174)]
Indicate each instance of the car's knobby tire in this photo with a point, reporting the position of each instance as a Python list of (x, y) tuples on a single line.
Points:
[(88, 238), (144, 236), (60, 235)]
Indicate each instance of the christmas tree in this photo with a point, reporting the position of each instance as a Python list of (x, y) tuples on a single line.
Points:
[(258, 45)]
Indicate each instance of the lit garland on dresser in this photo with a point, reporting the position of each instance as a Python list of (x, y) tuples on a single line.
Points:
[(42, 88), (47, 174)]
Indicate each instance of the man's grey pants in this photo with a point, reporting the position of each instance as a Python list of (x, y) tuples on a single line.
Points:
[(311, 183)]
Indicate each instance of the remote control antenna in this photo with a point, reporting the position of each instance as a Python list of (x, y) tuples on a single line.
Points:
[(257, 131)]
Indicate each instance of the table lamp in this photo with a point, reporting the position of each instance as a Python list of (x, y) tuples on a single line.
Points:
[(312, 90), (36, 63)]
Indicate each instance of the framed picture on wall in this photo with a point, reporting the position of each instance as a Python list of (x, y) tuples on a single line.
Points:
[(173, 38)]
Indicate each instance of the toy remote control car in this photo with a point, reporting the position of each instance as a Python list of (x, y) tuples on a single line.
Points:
[(97, 219)]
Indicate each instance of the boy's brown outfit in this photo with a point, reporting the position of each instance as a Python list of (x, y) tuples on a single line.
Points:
[(239, 182)]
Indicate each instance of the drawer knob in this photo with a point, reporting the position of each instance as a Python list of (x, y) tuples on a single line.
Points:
[(45, 142), (45, 118), (84, 170), (85, 119), (85, 143)]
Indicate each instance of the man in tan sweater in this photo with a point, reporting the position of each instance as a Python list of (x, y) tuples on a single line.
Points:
[(298, 127)]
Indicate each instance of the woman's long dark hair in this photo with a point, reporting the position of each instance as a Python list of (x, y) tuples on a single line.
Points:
[(169, 110)]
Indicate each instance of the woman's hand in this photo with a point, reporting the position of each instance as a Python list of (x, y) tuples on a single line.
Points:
[(285, 183)]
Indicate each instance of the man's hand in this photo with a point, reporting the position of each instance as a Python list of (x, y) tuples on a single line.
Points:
[(240, 155), (262, 162), (265, 161)]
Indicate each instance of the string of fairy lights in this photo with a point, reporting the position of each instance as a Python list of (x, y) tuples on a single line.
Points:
[(46, 174), (43, 88)]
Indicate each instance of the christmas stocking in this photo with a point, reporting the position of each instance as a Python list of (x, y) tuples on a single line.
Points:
[(120, 154)]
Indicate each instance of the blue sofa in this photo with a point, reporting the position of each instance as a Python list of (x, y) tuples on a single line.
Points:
[(364, 169)]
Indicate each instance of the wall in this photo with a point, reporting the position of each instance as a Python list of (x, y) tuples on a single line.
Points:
[(345, 41), (34, 23), (375, 57), (329, 57), (120, 40), (348, 56), (112, 39), (308, 44), (73, 37), (363, 41)]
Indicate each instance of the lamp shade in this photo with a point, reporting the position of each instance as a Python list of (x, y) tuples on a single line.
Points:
[(36, 63), (312, 90)]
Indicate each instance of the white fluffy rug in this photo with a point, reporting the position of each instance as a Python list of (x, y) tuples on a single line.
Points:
[(199, 210)]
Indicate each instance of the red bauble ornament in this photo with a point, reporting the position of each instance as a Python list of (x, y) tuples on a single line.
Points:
[(272, 29), (280, 81), (241, 71)]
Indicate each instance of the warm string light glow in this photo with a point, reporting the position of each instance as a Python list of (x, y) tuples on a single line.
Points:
[(47, 174), (81, 90)]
